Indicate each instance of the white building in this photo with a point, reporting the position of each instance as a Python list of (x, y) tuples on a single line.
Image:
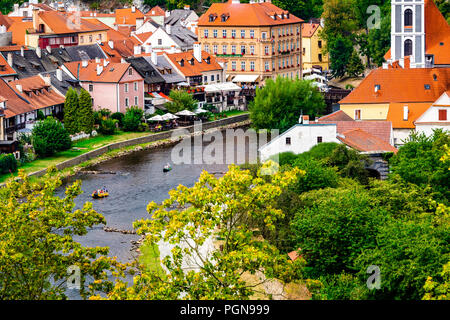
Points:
[(300, 138), (435, 117)]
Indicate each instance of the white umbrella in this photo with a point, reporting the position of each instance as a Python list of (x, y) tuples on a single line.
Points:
[(185, 113), (169, 116), (200, 110), (156, 118)]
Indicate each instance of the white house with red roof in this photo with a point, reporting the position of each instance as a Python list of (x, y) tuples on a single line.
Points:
[(436, 116)]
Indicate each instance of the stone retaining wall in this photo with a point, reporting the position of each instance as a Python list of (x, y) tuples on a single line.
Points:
[(145, 139)]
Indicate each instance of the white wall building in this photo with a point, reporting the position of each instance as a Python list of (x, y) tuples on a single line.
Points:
[(436, 117), (300, 138)]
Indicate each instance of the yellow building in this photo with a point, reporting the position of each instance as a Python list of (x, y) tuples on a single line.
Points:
[(54, 29), (258, 40), (313, 47)]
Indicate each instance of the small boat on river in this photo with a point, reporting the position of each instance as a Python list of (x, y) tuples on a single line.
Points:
[(100, 193), (167, 168)]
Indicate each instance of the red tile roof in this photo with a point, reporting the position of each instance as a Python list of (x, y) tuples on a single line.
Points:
[(395, 114), (15, 105), (143, 36), (5, 68), (18, 29), (365, 142), (112, 73), (37, 92), (308, 29), (380, 129), (401, 85), (197, 68), (5, 21), (126, 16), (61, 23), (246, 14), (156, 11), (336, 116)]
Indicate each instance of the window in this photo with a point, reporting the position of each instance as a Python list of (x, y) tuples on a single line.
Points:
[(100, 36), (207, 48), (130, 72), (233, 49), (215, 33), (233, 34), (242, 34), (81, 39), (243, 65), (358, 114), (205, 79), (91, 88), (252, 34), (206, 33), (90, 39), (443, 115), (127, 102), (266, 50), (408, 18), (266, 66), (135, 86), (288, 140), (320, 57), (252, 49), (224, 49), (263, 35), (224, 33), (427, 87), (218, 77), (159, 42), (212, 18), (319, 139), (73, 40), (319, 43), (215, 49), (126, 87), (242, 49), (252, 65), (408, 47), (233, 65), (212, 77), (136, 101)]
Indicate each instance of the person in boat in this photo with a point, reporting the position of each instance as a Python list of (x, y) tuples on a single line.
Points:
[(167, 167)]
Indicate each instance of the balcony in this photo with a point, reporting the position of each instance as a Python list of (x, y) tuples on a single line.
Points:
[(15, 128)]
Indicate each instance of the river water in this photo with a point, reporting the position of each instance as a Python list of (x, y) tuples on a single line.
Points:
[(138, 180)]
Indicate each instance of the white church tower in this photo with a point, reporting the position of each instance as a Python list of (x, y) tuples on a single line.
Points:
[(408, 32)]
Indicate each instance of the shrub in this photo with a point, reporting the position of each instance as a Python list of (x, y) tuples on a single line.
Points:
[(181, 100), (132, 119), (8, 163), (71, 112), (107, 127), (85, 112), (49, 136), (119, 117), (40, 115)]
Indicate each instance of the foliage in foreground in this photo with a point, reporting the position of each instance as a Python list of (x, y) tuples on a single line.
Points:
[(49, 136), (36, 241)]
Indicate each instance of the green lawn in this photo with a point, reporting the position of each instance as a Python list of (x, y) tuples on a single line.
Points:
[(79, 147), (231, 113), (150, 258)]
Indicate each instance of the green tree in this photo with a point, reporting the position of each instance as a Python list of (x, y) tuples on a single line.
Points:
[(6, 6), (71, 113), (180, 100), (279, 104), (355, 67), (340, 49), (213, 209), (418, 162), (85, 112), (350, 163), (49, 136), (37, 247), (304, 9), (132, 119)]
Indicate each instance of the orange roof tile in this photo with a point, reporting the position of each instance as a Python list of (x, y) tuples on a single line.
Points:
[(45, 97), (126, 16), (15, 104), (380, 129), (156, 11), (245, 14), (336, 116), (197, 68), (113, 72), (395, 114), (401, 85), (61, 23), (5, 68), (365, 142), (5, 21), (143, 36), (308, 29), (18, 29), (125, 30)]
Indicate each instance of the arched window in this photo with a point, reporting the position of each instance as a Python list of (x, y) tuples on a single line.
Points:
[(408, 18), (408, 47)]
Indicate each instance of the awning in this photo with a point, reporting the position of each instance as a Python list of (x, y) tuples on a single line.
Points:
[(246, 78), (219, 87)]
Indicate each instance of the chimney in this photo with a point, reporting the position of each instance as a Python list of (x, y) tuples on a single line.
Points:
[(139, 22), (49, 49), (2, 29), (84, 63), (148, 48), (22, 52), (99, 70), (111, 44), (97, 60), (19, 88), (405, 113), (172, 49), (59, 75), (187, 7), (35, 19), (133, 9), (168, 29), (47, 80), (105, 62), (306, 119), (137, 50), (39, 52), (198, 51), (154, 58), (10, 59)]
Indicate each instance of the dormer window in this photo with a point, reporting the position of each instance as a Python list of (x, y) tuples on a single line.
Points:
[(224, 17), (212, 17), (377, 87), (191, 61), (427, 87), (208, 60), (182, 62)]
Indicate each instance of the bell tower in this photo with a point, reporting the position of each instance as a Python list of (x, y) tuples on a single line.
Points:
[(408, 31)]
